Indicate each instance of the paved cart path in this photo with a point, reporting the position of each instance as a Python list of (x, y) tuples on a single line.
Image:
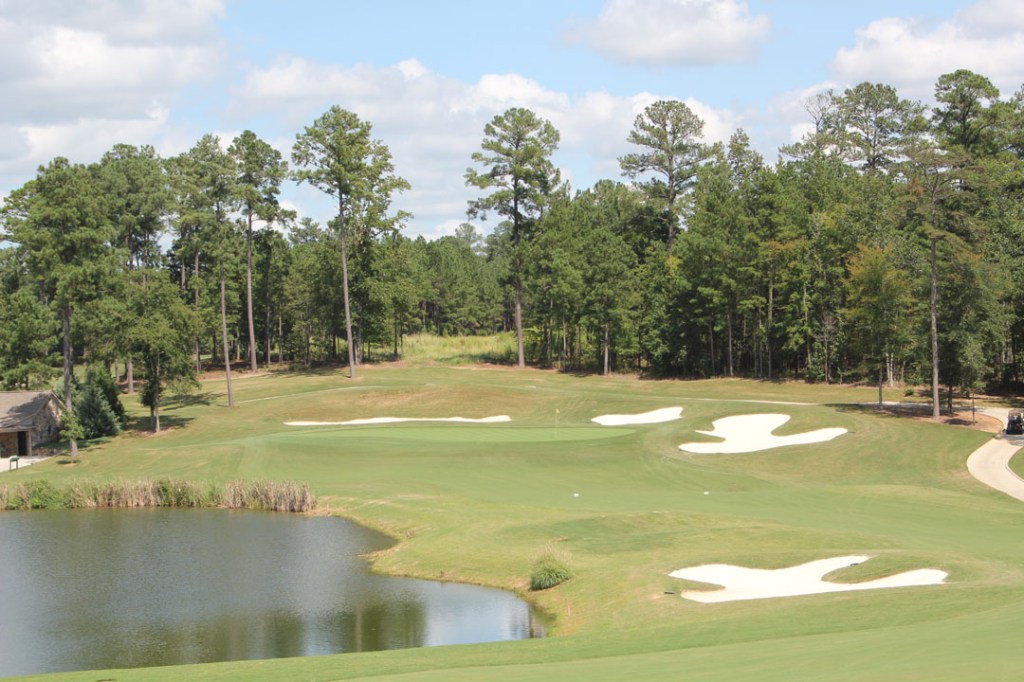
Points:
[(990, 463)]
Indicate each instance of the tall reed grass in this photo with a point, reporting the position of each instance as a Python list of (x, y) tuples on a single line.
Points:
[(259, 495), (460, 350)]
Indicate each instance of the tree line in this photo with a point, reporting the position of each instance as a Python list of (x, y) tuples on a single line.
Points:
[(885, 244)]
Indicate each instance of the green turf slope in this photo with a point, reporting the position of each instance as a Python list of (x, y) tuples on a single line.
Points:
[(478, 502)]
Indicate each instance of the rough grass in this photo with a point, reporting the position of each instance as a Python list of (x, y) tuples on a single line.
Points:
[(474, 505), (460, 350)]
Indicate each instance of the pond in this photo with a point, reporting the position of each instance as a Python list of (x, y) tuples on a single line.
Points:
[(89, 589)]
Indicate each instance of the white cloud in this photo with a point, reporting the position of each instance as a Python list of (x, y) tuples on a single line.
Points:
[(444, 229), (674, 32), (139, 22), (81, 141), (986, 37), (787, 117), (64, 65), (78, 76), (432, 124), (987, 18)]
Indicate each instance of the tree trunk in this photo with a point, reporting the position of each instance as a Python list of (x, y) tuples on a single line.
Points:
[(344, 290), (69, 369), (309, 341), (248, 296), (521, 354), (607, 345), (195, 279), (130, 375), (935, 335), (565, 343), (266, 354), (728, 331), (224, 336), (711, 343), (771, 317), (154, 411)]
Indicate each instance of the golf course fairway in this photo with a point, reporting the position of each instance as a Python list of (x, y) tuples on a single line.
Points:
[(625, 508)]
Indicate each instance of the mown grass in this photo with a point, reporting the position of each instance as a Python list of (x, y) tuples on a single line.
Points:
[(1017, 464), (474, 502)]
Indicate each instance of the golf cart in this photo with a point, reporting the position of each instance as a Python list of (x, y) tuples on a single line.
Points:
[(1015, 422)]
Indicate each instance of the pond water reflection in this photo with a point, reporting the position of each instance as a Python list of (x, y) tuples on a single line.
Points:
[(92, 589)]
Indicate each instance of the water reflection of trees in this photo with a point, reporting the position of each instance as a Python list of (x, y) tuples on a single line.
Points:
[(373, 627), (122, 589)]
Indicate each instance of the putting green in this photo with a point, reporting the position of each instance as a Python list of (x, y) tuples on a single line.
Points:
[(459, 434)]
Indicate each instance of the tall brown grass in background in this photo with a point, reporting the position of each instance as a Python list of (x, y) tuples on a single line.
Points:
[(258, 495)]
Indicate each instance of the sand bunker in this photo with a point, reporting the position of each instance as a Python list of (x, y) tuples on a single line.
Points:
[(666, 414), (395, 420), (752, 433), (741, 583)]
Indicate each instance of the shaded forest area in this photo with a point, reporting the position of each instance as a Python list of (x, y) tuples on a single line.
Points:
[(704, 261)]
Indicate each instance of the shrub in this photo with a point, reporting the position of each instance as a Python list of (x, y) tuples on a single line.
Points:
[(31, 495), (551, 568), (98, 408), (95, 414), (101, 379)]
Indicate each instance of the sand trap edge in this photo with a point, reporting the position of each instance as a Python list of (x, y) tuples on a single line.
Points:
[(395, 420), (665, 414), (747, 433), (739, 583)]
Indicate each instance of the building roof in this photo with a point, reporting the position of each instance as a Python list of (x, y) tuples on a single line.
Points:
[(18, 409)]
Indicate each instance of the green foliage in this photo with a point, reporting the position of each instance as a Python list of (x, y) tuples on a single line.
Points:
[(708, 263), (71, 428), (97, 405), (516, 152), (95, 414), (551, 568), (161, 339), (669, 134), (27, 337), (337, 156)]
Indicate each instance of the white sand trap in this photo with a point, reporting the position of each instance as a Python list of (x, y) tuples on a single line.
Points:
[(752, 433), (741, 583), (395, 420), (666, 414)]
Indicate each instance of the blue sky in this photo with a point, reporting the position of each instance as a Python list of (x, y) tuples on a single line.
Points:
[(82, 75)]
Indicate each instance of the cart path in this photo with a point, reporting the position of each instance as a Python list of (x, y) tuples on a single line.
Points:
[(990, 463)]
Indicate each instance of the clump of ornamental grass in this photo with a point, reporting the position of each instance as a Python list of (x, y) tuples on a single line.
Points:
[(267, 496), (258, 495), (550, 568)]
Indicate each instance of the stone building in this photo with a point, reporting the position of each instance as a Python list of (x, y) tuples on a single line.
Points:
[(28, 419)]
